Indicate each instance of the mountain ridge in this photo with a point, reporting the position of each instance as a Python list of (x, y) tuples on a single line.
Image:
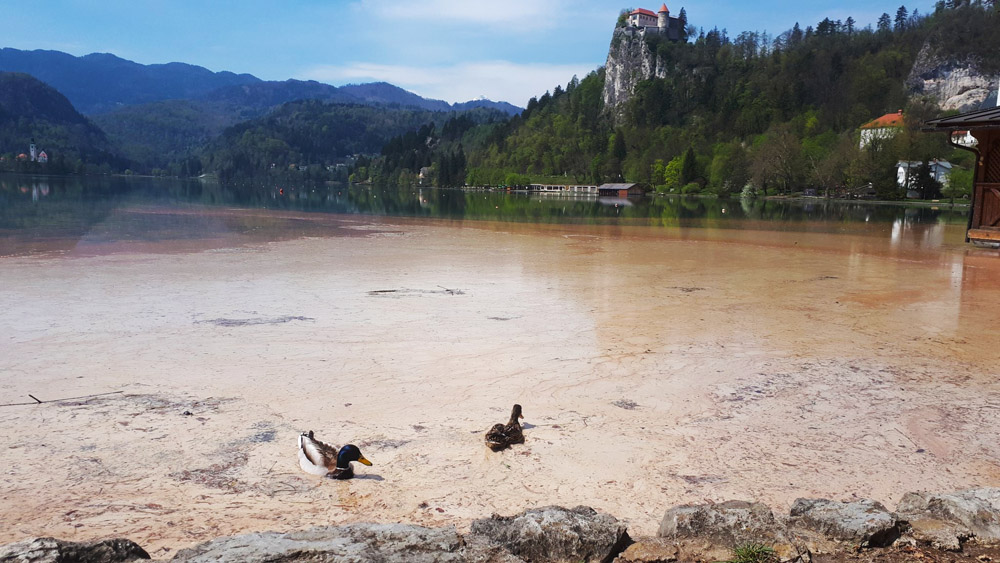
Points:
[(103, 82)]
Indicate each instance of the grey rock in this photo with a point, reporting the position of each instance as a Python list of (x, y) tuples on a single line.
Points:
[(863, 523), (51, 550), (630, 61), (946, 520), (955, 84), (554, 533), (728, 524), (711, 531), (356, 543)]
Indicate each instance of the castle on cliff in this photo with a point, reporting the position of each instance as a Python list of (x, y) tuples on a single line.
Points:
[(661, 22)]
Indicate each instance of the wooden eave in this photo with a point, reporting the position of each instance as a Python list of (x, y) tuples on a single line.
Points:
[(971, 121)]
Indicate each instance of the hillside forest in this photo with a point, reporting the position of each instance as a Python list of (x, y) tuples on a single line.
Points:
[(748, 113)]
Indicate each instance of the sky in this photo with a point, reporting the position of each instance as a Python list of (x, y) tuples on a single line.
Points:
[(452, 50)]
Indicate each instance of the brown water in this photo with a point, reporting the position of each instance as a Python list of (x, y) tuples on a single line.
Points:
[(656, 365)]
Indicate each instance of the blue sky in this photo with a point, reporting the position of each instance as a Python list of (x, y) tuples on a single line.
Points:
[(455, 50)]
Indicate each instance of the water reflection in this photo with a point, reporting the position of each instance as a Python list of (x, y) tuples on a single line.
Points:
[(32, 207)]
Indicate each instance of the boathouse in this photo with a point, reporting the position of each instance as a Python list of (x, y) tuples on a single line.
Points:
[(620, 190), (984, 125)]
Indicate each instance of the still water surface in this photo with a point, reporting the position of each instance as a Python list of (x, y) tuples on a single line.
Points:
[(40, 214)]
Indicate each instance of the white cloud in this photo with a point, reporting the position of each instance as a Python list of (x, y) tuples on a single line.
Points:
[(515, 16), (497, 80)]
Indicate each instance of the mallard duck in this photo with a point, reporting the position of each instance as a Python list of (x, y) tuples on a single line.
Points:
[(503, 435), (323, 459)]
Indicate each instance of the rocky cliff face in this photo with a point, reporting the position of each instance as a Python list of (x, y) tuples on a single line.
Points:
[(955, 85), (629, 62)]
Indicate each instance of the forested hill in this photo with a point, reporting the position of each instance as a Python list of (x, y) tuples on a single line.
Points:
[(30, 109), (776, 113), (311, 136)]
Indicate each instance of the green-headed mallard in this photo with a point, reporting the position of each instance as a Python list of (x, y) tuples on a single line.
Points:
[(503, 435), (323, 459)]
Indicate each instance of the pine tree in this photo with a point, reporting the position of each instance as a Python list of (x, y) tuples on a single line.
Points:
[(900, 22), (689, 167), (883, 25)]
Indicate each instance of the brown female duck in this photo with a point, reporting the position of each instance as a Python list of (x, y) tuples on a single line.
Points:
[(503, 435)]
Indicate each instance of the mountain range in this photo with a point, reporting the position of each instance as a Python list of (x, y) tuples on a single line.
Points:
[(157, 114), (102, 82)]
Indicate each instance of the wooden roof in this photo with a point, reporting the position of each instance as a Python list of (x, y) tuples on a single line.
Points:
[(971, 121)]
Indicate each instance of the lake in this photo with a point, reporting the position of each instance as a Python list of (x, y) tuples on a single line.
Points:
[(39, 213), (666, 351)]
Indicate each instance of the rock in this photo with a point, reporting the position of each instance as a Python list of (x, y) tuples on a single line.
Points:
[(711, 531), (348, 544), (51, 550), (554, 533), (729, 524), (862, 523), (955, 84), (947, 520), (650, 550)]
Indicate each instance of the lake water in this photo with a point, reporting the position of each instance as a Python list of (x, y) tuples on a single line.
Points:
[(39, 214), (665, 351)]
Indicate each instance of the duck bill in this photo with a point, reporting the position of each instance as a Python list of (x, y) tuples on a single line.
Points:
[(364, 461)]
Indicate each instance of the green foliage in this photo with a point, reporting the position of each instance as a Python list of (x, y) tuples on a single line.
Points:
[(311, 136), (159, 133), (959, 184), (753, 552)]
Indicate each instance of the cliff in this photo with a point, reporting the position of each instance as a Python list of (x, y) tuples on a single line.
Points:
[(955, 84), (630, 61)]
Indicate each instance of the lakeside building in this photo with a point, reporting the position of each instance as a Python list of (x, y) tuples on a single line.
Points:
[(984, 125), (881, 129), (621, 190), (906, 172)]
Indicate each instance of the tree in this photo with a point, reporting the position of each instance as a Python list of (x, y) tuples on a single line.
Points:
[(901, 17), (795, 37), (777, 160), (729, 170), (958, 184), (850, 25), (689, 167), (672, 173), (883, 23), (926, 184)]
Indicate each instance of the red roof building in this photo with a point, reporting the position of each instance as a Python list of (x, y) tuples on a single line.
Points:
[(882, 128), (887, 120)]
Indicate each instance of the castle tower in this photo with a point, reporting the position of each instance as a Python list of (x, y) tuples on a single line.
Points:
[(663, 17), (33, 151)]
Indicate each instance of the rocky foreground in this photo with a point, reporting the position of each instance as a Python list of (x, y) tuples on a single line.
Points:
[(959, 526)]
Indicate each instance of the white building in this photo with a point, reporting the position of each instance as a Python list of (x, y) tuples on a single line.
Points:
[(882, 129), (643, 18), (906, 173)]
